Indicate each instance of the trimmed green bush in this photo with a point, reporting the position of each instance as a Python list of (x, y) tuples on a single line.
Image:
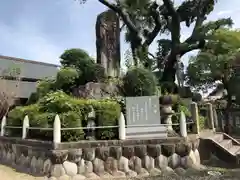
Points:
[(72, 112), (139, 82), (66, 78)]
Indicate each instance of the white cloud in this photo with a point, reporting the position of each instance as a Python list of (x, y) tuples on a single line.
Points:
[(24, 39), (225, 12)]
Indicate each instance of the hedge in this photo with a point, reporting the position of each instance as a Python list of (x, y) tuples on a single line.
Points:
[(73, 112)]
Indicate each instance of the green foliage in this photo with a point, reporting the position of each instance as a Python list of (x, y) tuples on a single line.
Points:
[(80, 60), (66, 78), (45, 86), (139, 82), (107, 113), (75, 58), (202, 122), (209, 65), (72, 112)]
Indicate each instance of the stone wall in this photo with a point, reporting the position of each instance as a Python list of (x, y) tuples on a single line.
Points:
[(97, 159)]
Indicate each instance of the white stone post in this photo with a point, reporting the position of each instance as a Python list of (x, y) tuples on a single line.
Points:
[(57, 130), (195, 118), (183, 125), (25, 127), (3, 124), (122, 127), (210, 117)]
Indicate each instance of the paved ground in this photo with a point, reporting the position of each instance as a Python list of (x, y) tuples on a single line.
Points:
[(7, 173)]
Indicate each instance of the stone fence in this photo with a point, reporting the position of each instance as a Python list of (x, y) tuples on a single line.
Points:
[(101, 159)]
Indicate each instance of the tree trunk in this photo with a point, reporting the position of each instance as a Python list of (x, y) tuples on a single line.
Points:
[(134, 54), (169, 69), (227, 127)]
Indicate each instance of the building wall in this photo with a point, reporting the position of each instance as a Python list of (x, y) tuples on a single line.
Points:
[(30, 73), (29, 69)]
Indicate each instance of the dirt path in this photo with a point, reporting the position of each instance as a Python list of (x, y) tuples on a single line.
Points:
[(7, 173)]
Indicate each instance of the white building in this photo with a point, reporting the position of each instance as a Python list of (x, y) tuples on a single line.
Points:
[(28, 72)]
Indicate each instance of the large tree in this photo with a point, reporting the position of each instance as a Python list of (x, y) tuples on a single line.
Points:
[(215, 64), (212, 65), (165, 16)]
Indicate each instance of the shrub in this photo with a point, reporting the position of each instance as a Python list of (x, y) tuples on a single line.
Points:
[(72, 112), (79, 59), (66, 78), (16, 117), (139, 82), (44, 87), (107, 114)]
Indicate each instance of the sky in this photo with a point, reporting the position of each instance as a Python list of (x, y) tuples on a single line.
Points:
[(41, 30)]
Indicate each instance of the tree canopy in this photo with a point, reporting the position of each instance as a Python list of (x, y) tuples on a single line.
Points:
[(146, 19), (213, 63)]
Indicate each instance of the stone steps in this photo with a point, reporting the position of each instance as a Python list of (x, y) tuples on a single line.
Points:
[(226, 143), (234, 149)]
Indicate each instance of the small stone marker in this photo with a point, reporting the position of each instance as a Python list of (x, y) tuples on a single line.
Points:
[(143, 118)]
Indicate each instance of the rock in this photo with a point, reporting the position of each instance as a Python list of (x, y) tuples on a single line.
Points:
[(33, 165), (140, 151), (21, 161), (148, 163), (155, 172), (161, 162), (71, 168), (27, 162), (64, 177), (75, 155), (168, 171), (98, 167), (88, 167), (47, 166), (40, 165), (123, 164), (174, 161), (118, 174), (131, 173), (59, 156), (13, 158), (115, 152), (135, 163), (180, 171), (154, 150), (143, 172), (110, 165), (189, 161), (78, 177), (81, 167), (8, 157), (195, 144), (102, 153), (168, 150), (183, 149), (197, 156), (128, 151), (89, 154), (57, 170), (92, 176)]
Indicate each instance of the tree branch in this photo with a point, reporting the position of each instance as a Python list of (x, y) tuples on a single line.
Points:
[(199, 21), (122, 13), (185, 47), (175, 23), (156, 16)]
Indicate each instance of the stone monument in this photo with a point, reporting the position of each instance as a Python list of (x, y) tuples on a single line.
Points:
[(143, 118), (108, 42)]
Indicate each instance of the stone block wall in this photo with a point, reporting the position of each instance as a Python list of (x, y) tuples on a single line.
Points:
[(101, 159)]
